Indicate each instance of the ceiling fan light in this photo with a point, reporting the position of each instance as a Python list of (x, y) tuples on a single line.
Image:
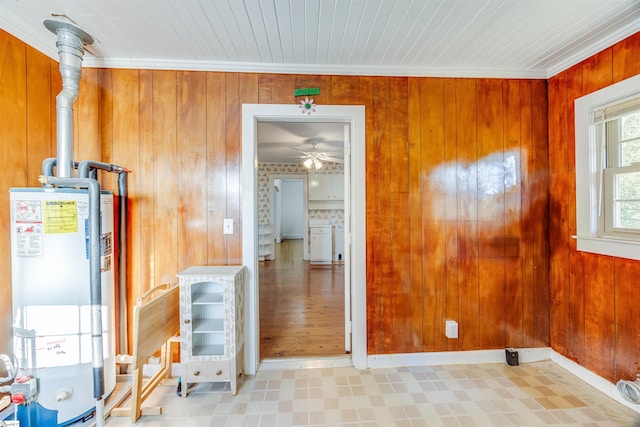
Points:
[(317, 163), (308, 163)]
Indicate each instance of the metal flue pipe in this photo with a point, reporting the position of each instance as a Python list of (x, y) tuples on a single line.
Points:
[(70, 43)]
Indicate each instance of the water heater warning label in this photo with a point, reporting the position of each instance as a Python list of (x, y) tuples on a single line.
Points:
[(60, 216), (27, 216)]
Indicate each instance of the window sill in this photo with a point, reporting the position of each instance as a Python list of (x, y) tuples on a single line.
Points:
[(621, 248)]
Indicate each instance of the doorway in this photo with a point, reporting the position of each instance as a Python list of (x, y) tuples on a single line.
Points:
[(354, 235), (302, 304)]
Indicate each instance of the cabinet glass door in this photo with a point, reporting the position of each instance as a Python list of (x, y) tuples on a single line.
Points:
[(207, 301)]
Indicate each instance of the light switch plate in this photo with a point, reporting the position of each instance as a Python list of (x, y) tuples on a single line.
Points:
[(227, 228)]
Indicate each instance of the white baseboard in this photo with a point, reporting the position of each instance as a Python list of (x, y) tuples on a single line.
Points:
[(284, 364), (594, 380), (525, 355)]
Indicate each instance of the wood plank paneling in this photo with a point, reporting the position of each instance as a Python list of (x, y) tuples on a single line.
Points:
[(382, 162), (626, 61), (105, 130), (576, 286), (87, 123), (345, 90), (142, 187), (451, 215), (375, 320), (537, 333), (191, 167), (164, 177), (415, 215), (216, 171), (559, 255), (514, 244), (433, 218), (467, 191), (232, 165), (592, 305), (400, 231), (13, 153), (120, 149), (40, 144), (491, 214), (439, 239)]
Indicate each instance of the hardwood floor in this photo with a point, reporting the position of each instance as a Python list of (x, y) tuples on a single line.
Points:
[(301, 306)]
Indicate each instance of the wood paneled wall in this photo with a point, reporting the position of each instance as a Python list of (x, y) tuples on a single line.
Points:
[(594, 299), (456, 213), (456, 172)]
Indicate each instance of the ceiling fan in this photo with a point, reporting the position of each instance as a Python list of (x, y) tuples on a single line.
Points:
[(314, 157)]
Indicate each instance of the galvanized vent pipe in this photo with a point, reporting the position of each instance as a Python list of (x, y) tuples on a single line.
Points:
[(70, 43)]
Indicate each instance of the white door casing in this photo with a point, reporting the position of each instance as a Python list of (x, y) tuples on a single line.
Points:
[(354, 116), (347, 238)]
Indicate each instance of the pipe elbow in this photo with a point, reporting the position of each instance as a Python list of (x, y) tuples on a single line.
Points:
[(66, 97)]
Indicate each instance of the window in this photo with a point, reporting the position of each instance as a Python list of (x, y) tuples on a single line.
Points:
[(621, 174), (608, 170)]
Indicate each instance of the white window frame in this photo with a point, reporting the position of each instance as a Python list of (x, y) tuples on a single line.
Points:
[(588, 170)]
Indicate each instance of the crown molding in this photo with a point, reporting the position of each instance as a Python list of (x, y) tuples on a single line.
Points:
[(611, 39), (313, 69)]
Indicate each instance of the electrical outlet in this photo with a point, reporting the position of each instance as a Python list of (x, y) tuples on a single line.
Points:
[(227, 228), (451, 329)]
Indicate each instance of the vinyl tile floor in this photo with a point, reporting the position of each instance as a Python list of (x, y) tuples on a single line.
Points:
[(534, 394)]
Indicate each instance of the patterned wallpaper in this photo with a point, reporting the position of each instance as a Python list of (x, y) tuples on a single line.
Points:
[(335, 216)]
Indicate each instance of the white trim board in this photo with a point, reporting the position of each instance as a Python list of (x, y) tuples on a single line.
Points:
[(596, 381), (354, 115), (472, 357)]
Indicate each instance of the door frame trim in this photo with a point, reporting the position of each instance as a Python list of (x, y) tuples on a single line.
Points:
[(355, 116)]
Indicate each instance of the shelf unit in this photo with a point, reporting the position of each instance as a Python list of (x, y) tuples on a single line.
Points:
[(266, 243), (211, 325)]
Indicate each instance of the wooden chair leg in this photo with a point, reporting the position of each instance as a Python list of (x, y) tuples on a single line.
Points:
[(136, 392)]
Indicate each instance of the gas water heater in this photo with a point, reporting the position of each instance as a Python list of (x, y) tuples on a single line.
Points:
[(62, 266), (51, 299)]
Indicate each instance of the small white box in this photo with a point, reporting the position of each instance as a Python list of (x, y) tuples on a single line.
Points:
[(451, 328)]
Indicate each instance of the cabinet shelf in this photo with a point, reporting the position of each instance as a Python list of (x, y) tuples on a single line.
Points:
[(208, 325), (208, 299), (208, 350)]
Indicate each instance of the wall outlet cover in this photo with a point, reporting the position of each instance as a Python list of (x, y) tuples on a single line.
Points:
[(451, 329)]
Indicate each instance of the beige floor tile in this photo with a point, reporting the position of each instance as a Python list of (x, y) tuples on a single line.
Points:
[(536, 394)]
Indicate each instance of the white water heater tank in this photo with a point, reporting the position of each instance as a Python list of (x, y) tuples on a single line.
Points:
[(51, 296)]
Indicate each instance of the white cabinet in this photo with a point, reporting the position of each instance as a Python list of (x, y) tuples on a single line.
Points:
[(211, 325), (320, 244), (326, 187), (266, 245)]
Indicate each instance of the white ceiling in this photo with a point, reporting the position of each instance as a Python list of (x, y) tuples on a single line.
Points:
[(276, 141), (463, 38)]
